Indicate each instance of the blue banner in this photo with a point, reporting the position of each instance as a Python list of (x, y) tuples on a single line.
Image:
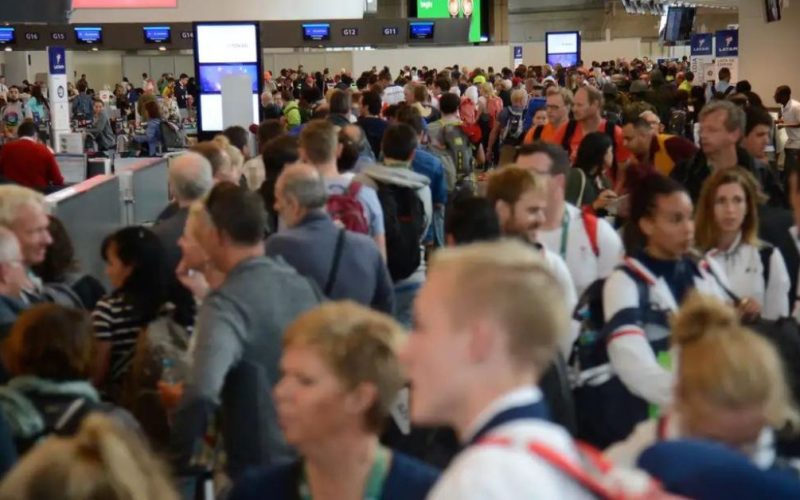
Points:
[(517, 51), (58, 60), (702, 44), (727, 43)]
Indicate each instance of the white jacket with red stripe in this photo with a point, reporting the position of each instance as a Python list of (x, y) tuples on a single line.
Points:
[(630, 354)]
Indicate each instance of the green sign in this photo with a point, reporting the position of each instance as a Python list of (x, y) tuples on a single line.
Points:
[(433, 9)]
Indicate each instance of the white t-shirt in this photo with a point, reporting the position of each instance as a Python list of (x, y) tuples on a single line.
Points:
[(584, 266), (629, 352), (791, 114), (561, 273), (488, 472), (745, 272)]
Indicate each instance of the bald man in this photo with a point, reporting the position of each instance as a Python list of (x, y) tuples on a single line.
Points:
[(190, 179), (344, 264)]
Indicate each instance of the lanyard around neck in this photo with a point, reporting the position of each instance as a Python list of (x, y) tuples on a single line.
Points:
[(564, 233), (373, 490)]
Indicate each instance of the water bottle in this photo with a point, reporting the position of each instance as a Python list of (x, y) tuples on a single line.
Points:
[(169, 372)]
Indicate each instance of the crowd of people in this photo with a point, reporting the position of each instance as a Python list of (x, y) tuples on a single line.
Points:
[(441, 285)]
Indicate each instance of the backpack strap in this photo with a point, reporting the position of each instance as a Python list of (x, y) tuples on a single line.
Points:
[(590, 226), (765, 252), (337, 257), (537, 132), (568, 133), (353, 189), (557, 460)]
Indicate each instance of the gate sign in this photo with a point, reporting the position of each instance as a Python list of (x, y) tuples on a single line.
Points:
[(702, 44), (727, 43)]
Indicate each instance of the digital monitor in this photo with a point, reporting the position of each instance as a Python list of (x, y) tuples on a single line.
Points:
[(474, 10), (678, 27), (563, 48), (316, 32), (7, 35), (89, 35), (227, 52), (420, 31), (157, 34)]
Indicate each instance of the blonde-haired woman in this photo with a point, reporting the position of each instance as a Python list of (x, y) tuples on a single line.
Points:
[(340, 376), (101, 461), (726, 228), (730, 388), (233, 173)]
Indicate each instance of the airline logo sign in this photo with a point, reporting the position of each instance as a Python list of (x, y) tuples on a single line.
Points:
[(702, 44), (727, 43), (58, 60)]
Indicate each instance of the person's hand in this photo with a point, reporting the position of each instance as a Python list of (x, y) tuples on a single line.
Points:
[(749, 308), (489, 155), (170, 395), (194, 281), (604, 199)]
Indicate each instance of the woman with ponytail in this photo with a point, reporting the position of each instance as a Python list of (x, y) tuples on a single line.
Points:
[(730, 388), (628, 378), (101, 461)]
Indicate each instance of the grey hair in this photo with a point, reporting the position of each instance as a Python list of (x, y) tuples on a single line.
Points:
[(309, 191), (191, 176), (735, 119), (9, 246)]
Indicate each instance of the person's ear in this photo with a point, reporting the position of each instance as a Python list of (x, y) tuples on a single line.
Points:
[(503, 211), (339, 148), (646, 226), (359, 400), (482, 338)]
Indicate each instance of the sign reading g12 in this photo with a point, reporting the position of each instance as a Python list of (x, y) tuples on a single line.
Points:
[(349, 31)]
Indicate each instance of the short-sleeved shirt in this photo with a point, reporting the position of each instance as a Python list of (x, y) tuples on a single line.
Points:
[(549, 134), (115, 321), (368, 198), (621, 152), (791, 114)]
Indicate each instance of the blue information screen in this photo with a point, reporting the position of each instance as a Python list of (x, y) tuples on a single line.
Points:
[(316, 32), (157, 34), (89, 35), (7, 35), (421, 31)]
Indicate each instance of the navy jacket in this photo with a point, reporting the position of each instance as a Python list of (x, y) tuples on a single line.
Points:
[(408, 479)]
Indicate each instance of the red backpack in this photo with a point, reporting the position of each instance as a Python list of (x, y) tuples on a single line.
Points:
[(594, 473), (493, 108), (468, 111), (347, 211)]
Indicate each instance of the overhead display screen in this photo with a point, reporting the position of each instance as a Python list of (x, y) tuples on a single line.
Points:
[(563, 48), (420, 31), (225, 51), (442, 9), (89, 35), (316, 32), (7, 36), (157, 34), (124, 4)]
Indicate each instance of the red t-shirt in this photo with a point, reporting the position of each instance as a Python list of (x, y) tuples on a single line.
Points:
[(29, 164)]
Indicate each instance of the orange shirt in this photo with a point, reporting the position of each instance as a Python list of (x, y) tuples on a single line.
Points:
[(622, 153), (548, 134)]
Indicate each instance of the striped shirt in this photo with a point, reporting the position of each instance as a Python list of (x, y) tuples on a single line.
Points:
[(116, 321)]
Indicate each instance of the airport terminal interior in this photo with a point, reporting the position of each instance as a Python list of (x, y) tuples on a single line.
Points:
[(399, 249)]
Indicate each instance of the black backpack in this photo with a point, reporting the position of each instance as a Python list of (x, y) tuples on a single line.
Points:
[(404, 221), (678, 118)]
